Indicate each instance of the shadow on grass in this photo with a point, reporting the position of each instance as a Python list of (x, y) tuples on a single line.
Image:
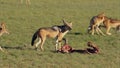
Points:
[(79, 51), (73, 51), (17, 47), (75, 33)]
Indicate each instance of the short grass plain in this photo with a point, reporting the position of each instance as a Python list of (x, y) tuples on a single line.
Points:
[(22, 21)]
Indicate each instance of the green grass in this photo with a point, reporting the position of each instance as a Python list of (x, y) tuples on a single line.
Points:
[(22, 21)]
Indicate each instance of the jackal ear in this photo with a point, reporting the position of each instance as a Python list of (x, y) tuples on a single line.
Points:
[(2, 25), (101, 14), (70, 24), (64, 22)]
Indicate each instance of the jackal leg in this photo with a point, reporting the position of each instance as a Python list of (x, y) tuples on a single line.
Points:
[(108, 29), (59, 44), (42, 42), (39, 41), (93, 28), (1, 49), (100, 31), (59, 40), (56, 45), (97, 31), (28, 2), (21, 1)]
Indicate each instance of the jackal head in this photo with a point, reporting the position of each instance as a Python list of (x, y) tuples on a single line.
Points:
[(68, 26), (3, 29)]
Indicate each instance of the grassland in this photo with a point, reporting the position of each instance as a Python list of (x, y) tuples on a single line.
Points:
[(22, 21)]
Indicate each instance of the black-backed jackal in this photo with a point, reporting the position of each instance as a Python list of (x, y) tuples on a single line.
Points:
[(2, 31), (57, 32), (111, 23), (95, 23)]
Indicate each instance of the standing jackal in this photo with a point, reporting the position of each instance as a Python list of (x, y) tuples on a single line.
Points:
[(57, 32), (95, 23), (111, 23)]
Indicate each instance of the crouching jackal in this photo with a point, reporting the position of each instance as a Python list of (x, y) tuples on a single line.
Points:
[(95, 23)]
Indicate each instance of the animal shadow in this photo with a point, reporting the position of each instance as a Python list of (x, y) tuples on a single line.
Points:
[(79, 51), (75, 33), (73, 51), (17, 47)]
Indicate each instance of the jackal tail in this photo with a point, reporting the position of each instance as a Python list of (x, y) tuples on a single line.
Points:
[(34, 37)]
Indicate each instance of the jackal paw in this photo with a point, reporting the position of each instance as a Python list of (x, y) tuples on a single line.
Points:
[(109, 34), (92, 34), (103, 34), (37, 49)]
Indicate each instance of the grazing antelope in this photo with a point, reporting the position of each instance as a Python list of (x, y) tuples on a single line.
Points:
[(95, 23), (57, 32), (93, 48), (27, 2), (111, 23), (2, 31)]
